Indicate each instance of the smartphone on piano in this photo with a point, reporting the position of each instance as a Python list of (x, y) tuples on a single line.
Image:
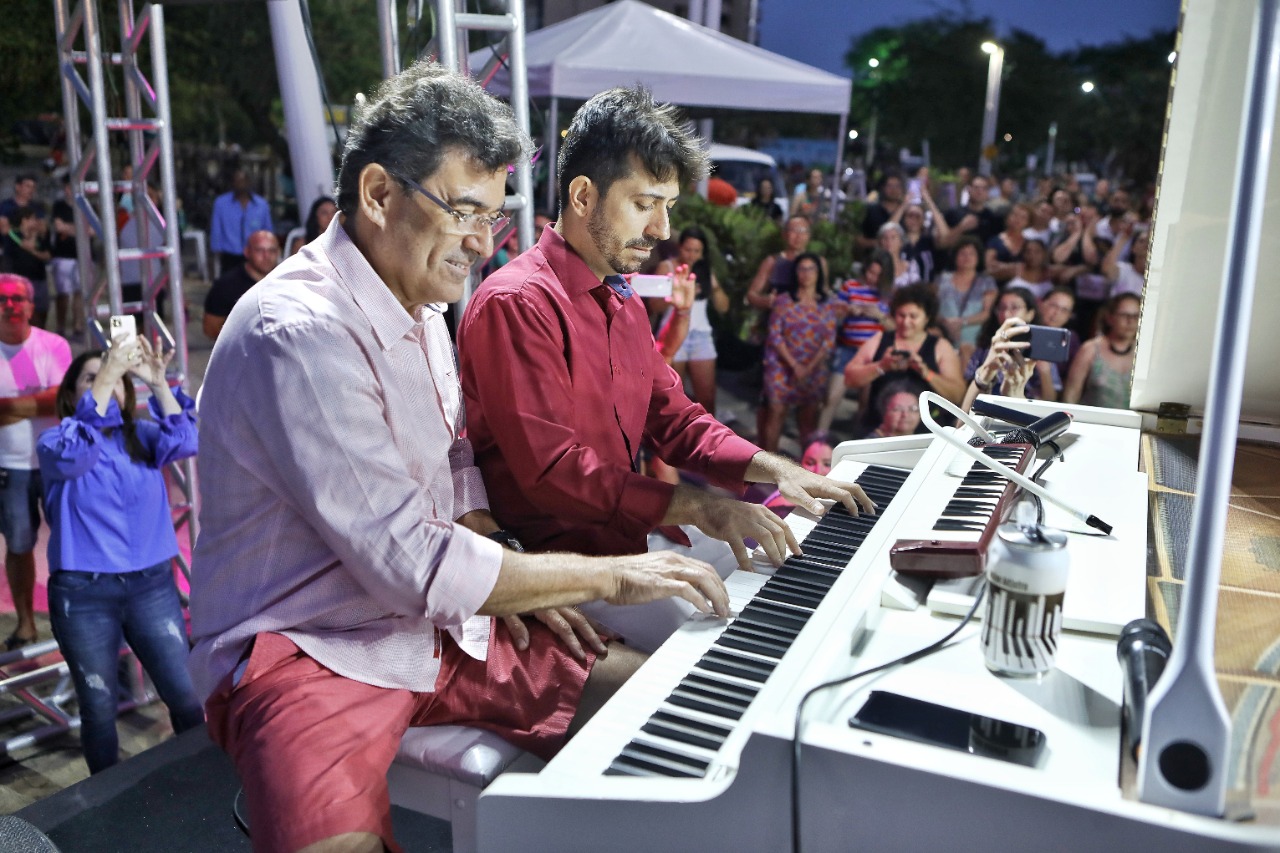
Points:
[(924, 722)]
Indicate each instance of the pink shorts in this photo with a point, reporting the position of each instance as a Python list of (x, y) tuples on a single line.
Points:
[(312, 748)]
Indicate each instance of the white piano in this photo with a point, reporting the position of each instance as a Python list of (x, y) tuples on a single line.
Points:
[(694, 753)]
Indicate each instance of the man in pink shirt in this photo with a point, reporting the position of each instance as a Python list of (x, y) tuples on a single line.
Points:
[(343, 583), (562, 381)]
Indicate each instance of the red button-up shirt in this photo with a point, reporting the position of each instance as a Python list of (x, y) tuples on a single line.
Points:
[(562, 385)]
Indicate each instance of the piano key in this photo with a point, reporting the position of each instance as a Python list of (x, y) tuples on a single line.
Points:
[(641, 749), (706, 705), (682, 734), (759, 612), (722, 696), (654, 766), (720, 685), (708, 729), (764, 632), (753, 645), (736, 664), (776, 594)]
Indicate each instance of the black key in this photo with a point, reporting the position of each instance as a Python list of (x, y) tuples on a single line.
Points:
[(736, 665), (768, 593), (631, 759), (701, 694), (719, 685), (781, 617), (764, 632), (715, 709), (654, 728), (711, 729), (798, 587), (750, 644), (638, 747)]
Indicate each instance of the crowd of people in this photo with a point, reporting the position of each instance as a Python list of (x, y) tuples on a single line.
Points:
[(943, 300)]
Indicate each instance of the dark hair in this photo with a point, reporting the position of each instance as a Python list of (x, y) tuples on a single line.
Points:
[(64, 405), (773, 189), (1104, 316), (1062, 288), (313, 218), (915, 294), (23, 177), (976, 245), (24, 213), (989, 326), (795, 275), (619, 123), (413, 119), (885, 284), (693, 232), (887, 393)]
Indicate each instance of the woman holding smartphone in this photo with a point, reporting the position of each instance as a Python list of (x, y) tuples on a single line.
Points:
[(112, 539), (907, 355), (998, 365)]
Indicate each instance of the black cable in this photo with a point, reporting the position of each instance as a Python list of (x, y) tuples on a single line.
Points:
[(796, 744)]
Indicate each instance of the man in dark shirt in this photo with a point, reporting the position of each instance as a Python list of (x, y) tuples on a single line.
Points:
[(24, 195), (261, 254), (66, 268), (891, 198), (974, 218), (26, 253)]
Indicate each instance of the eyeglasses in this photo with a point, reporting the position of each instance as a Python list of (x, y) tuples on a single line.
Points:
[(470, 222), (13, 300), (900, 410)]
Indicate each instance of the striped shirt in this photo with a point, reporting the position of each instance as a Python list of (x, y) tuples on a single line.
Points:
[(857, 329), (332, 469)]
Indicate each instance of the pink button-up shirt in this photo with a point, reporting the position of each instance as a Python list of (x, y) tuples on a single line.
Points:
[(332, 468)]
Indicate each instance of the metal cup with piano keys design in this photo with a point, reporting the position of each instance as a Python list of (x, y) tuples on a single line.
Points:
[(1027, 580)]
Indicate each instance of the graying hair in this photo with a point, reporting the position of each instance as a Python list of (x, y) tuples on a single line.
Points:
[(413, 118), (891, 226), (14, 278)]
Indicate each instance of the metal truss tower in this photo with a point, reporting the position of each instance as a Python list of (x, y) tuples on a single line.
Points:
[(146, 132)]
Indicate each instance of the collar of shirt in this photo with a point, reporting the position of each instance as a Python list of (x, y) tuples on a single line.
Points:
[(384, 312), (575, 276)]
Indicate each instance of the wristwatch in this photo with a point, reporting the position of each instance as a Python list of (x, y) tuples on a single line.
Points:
[(507, 540)]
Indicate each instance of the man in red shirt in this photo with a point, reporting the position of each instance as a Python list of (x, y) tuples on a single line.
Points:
[(561, 380)]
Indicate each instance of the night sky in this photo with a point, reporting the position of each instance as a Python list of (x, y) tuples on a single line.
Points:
[(818, 32)]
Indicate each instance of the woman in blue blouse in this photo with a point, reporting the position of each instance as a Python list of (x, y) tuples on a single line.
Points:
[(112, 537)]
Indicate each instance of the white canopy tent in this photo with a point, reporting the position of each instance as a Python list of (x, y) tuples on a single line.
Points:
[(629, 42)]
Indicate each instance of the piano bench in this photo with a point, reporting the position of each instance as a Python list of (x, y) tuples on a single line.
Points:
[(441, 770)]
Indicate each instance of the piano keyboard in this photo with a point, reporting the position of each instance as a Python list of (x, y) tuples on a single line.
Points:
[(683, 736), (948, 527)]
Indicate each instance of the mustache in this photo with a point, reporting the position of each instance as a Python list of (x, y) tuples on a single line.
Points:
[(644, 243)]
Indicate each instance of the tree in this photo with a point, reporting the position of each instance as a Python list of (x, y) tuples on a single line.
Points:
[(930, 82)]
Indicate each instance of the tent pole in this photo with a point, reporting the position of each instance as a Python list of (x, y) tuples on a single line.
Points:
[(553, 152), (839, 172)]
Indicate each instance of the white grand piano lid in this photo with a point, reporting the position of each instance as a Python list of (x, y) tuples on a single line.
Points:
[(1189, 239)]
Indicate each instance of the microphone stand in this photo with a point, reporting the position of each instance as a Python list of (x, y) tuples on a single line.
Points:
[(1186, 731)]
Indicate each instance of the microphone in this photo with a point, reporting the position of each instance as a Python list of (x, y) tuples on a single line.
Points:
[(1039, 432), (1143, 650), (1003, 413)]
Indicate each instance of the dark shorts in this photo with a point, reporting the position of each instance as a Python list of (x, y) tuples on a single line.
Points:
[(20, 494)]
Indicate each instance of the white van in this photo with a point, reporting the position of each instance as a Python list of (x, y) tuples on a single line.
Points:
[(744, 168)]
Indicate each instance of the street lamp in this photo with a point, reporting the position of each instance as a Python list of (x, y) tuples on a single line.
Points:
[(1086, 86), (991, 106)]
